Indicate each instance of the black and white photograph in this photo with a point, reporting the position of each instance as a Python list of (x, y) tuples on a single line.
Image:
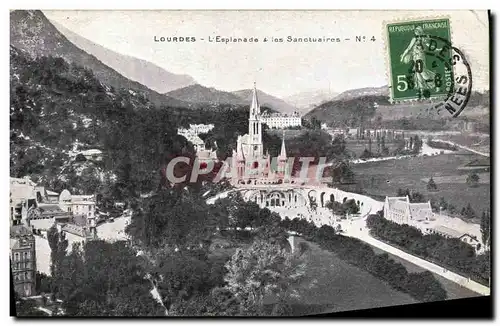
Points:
[(250, 163)]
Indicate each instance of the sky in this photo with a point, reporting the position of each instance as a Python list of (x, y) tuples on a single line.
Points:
[(281, 69)]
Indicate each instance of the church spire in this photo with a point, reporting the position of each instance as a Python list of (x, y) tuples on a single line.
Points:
[(254, 109), (283, 148)]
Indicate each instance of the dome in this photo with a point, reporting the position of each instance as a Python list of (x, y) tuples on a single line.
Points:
[(65, 195)]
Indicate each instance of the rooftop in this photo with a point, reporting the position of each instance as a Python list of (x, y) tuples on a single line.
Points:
[(448, 231), (50, 208), (19, 230)]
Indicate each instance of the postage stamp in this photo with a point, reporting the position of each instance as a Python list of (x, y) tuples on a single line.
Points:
[(419, 59)]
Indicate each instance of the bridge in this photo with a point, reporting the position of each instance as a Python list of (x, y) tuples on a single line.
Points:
[(308, 202)]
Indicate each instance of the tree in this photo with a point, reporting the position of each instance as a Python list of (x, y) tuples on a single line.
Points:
[(80, 158), (174, 217), (473, 179), (468, 212), (58, 245), (385, 150), (106, 279), (262, 270), (485, 226), (443, 204), (431, 185), (27, 307), (366, 154), (342, 173)]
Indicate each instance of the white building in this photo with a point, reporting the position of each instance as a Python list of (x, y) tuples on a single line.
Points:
[(192, 135), (401, 211), (92, 154), (420, 216), (281, 121), (79, 205)]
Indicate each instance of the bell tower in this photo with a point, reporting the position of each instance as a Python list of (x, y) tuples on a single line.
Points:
[(255, 126)]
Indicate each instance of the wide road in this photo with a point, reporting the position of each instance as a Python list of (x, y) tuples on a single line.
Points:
[(359, 230)]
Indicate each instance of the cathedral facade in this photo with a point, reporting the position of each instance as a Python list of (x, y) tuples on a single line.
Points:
[(250, 164)]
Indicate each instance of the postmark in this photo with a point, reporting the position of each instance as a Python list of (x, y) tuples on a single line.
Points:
[(424, 65)]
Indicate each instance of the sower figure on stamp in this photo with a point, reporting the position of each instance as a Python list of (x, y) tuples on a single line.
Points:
[(423, 78)]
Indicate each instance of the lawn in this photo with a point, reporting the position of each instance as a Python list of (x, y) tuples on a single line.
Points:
[(341, 287), (385, 177), (453, 290)]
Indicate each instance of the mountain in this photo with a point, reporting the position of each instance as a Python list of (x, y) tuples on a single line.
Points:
[(348, 111), (308, 100), (58, 108), (142, 71), (367, 91), (204, 95), (32, 32), (266, 100)]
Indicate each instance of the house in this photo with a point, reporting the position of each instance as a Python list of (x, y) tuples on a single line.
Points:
[(80, 205), (52, 197), (92, 154), (448, 232), (401, 211), (23, 260)]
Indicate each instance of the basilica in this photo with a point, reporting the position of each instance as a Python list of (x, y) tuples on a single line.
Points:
[(250, 164)]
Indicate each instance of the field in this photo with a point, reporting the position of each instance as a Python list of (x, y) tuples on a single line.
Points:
[(385, 177)]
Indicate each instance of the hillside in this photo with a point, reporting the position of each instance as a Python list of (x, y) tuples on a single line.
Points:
[(266, 100), (377, 111), (348, 112), (57, 107), (142, 71), (32, 32), (201, 94)]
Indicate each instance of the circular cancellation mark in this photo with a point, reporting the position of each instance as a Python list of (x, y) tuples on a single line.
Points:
[(459, 86)]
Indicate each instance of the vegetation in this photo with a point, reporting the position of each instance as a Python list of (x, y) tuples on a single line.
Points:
[(441, 145), (58, 245), (414, 196), (342, 173), (260, 271), (350, 112), (486, 227), (431, 185), (472, 179), (421, 286), (452, 253), (342, 209)]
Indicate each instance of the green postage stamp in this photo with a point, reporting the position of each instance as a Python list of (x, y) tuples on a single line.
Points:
[(420, 59)]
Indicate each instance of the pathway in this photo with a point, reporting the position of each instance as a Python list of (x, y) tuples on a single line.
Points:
[(463, 147), (353, 230)]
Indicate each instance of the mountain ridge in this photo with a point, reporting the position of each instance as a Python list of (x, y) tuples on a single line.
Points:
[(266, 99), (139, 70), (32, 32)]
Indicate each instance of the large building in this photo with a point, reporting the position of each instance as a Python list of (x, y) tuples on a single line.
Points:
[(82, 208), (192, 135), (23, 260), (37, 208), (401, 211), (281, 121), (420, 216), (250, 164)]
